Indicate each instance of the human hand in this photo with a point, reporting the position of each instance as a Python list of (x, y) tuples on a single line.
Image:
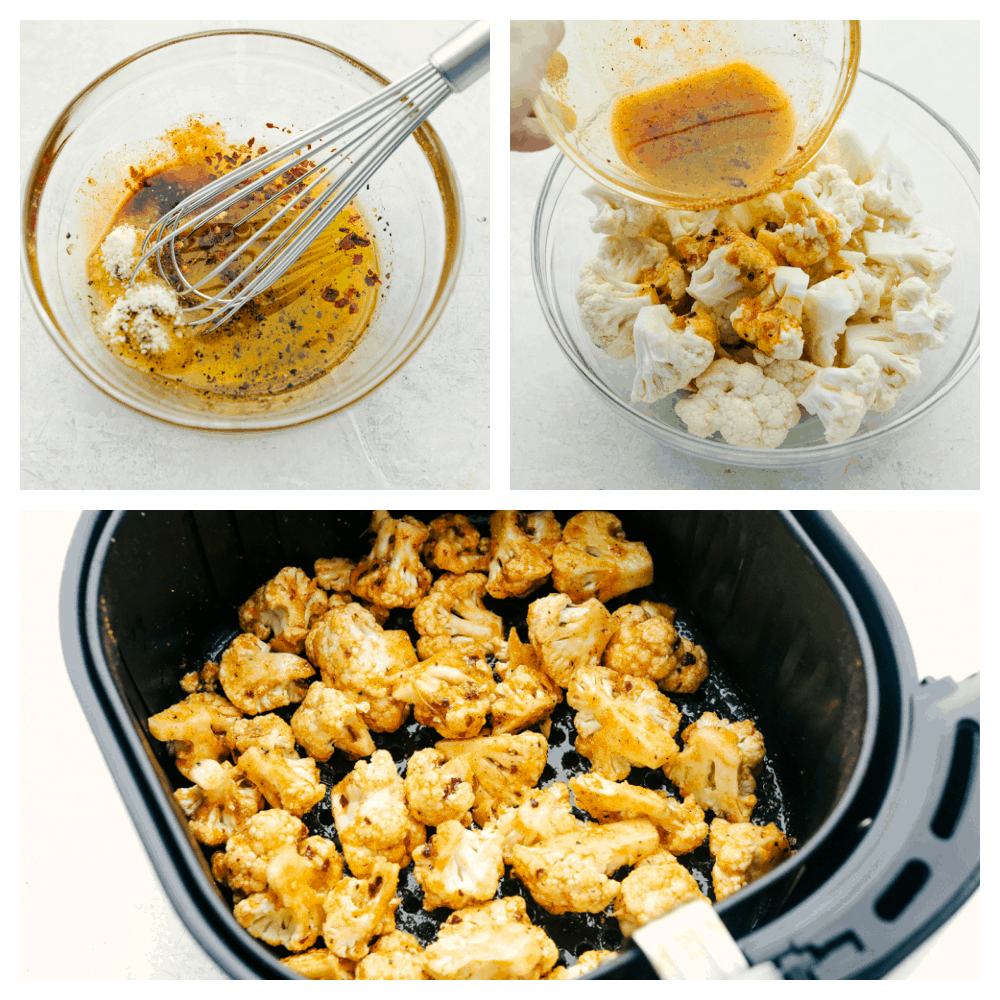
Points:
[(531, 46)]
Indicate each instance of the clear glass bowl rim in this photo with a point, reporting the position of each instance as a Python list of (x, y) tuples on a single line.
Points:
[(713, 449), (431, 145)]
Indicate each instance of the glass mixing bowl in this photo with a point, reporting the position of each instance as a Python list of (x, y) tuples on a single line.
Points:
[(946, 173), (242, 79), (815, 62)]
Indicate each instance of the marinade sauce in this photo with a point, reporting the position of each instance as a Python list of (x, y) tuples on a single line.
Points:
[(709, 135)]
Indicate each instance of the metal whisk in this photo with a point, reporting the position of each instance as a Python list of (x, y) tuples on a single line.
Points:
[(322, 170)]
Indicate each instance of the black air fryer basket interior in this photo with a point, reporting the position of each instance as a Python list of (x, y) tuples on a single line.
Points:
[(156, 595)]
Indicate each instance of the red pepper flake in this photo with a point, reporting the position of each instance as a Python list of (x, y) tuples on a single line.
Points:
[(353, 218), (371, 278), (354, 307), (352, 240), (208, 160), (269, 125), (262, 150), (251, 142), (329, 294), (340, 303), (358, 258)]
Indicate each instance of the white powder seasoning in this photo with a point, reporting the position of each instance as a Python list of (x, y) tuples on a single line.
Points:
[(139, 316), (120, 251)]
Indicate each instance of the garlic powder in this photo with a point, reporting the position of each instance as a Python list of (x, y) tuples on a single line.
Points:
[(134, 317), (120, 251)]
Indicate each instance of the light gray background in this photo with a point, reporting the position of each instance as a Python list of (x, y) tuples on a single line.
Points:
[(85, 875), (563, 436), (427, 427)]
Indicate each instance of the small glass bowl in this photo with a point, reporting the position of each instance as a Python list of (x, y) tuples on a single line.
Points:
[(815, 62), (242, 79), (946, 175)]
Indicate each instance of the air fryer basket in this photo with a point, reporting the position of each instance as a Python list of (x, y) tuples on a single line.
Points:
[(147, 592)]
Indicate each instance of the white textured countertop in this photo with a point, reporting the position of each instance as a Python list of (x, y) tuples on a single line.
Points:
[(427, 427), (117, 919), (563, 436)]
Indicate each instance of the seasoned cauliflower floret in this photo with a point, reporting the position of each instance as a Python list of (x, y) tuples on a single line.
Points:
[(586, 963), (622, 721), (718, 765), (455, 546), (742, 404), (438, 789), (609, 306), (567, 636), (595, 559), (809, 234), (736, 264), (358, 909), (357, 656), (282, 609), (396, 955), (681, 825), (654, 887), (542, 815), (645, 261), (452, 616), (569, 873), (334, 574), (525, 694), (319, 963), (269, 732), (290, 911), (243, 864), (219, 803), (293, 785), (520, 551), (491, 941), (667, 355), (329, 719), (457, 866), (772, 321), (392, 575), (194, 729), (504, 769), (257, 680), (206, 679), (834, 191), (646, 644), (842, 396), (361, 859), (452, 692), (743, 852)]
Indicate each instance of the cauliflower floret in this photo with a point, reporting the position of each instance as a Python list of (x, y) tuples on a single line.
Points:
[(452, 692), (320, 963), (872, 287), (520, 551), (772, 321), (845, 148), (718, 765), (836, 193), (504, 769), (256, 680), (452, 617), (328, 719), (793, 375), (609, 306), (335, 575), (681, 825), (540, 817), (644, 261), (646, 644), (292, 785), (290, 911), (895, 354), (828, 306), (392, 575), (396, 955), (243, 864), (269, 732), (438, 789), (586, 963), (356, 656), (737, 264), (654, 887), (622, 721), (617, 215), (667, 356), (744, 852), (890, 192), (194, 729), (594, 559), (361, 859), (567, 636), (569, 873), (920, 314), (359, 909), (494, 940), (742, 404), (924, 253), (457, 867), (525, 694), (842, 396), (282, 609), (455, 546), (809, 232), (219, 803), (206, 679)]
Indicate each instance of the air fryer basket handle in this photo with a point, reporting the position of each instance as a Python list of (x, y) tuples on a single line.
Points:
[(919, 860)]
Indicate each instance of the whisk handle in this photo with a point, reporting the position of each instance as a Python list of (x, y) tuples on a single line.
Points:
[(465, 58)]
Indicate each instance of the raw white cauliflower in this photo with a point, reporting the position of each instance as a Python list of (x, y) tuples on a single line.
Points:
[(920, 314), (617, 215), (194, 729), (219, 803), (329, 719), (667, 356), (291, 784), (828, 306), (595, 559), (525, 694), (281, 610), (609, 306), (357, 656), (743, 852), (719, 765), (457, 866), (491, 941), (654, 887), (569, 873), (895, 354), (453, 616), (358, 909), (256, 680), (793, 375), (455, 546), (918, 251), (521, 548), (392, 575), (396, 955), (740, 402), (622, 721), (890, 192), (438, 789), (842, 396), (645, 261), (567, 636)]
